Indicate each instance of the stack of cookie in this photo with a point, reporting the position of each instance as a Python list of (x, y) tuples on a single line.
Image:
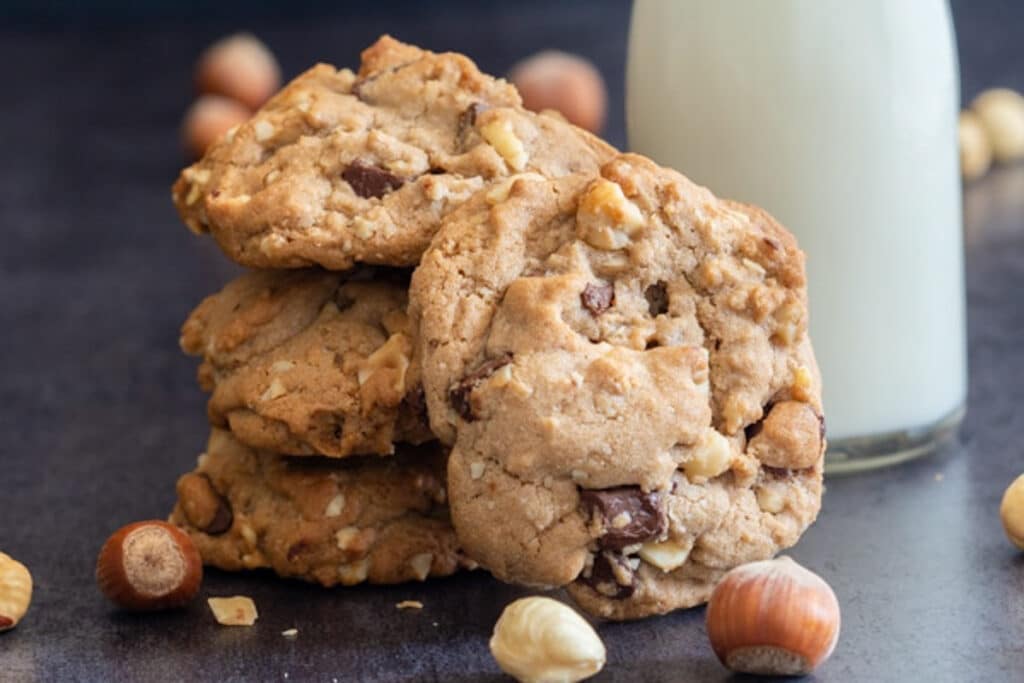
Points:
[(598, 376)]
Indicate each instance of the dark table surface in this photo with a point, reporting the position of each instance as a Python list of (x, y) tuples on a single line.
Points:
[(100, 412)]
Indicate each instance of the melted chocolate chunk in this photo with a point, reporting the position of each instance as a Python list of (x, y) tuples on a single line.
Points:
[(223, 518), (657, 298), (598, 298), (296, 549), (459, 395), (370, 181), (754, 428), (777, 472), (607, 575), (627, 514), (467, 119), (415, 402)]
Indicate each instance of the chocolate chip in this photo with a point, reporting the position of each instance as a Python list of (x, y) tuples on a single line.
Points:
[(296, 549), (777, 472), (821, 427), (771, 243), (204, 508), (657, 298), (611, 576), (598, 297), (370, 181), (467, 119), (459, 395), (627, 515), (222, 520), (343, 301), (754, 428), (415, 402)]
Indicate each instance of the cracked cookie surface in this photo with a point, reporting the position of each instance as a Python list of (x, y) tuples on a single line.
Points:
[(329, 522), (621, 364), (309, 362), (342, 168)]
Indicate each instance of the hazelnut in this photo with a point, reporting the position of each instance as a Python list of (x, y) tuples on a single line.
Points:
[(210, 117), (540, 640), (773, 617), (566, 83), (1001, 113), (148, 566), (1011, 512), (240, 67), (15, 592), (975, 149)]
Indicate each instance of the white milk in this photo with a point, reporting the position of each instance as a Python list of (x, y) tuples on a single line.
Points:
[(839, 117)]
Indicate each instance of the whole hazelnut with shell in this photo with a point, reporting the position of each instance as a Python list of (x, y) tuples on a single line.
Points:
[(210, 117), (240, 67), (565, 83), (149, 566), (773, 618)]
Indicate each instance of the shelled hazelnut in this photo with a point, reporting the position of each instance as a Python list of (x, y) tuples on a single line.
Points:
[(15, 591), (540, 640), (1011, 512), (1001, 113), (975, 149)]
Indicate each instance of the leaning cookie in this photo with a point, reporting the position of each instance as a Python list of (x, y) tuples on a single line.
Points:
[(310, 363), (336, 522), (621, 363), (342, 168)]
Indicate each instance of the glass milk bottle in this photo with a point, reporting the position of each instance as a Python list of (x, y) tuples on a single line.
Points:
[(838, 117)]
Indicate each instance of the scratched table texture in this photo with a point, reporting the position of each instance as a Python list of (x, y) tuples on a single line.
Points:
[(101, 411)]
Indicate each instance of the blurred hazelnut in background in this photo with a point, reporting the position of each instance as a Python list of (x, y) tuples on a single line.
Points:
[(207, 119), (565, 83), (975, 149), (992, 129), (240, 67), (234, 77)]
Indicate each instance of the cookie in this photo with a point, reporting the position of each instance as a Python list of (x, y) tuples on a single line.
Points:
[(342, 168), (622, 366), (309, 362), (329, 522)]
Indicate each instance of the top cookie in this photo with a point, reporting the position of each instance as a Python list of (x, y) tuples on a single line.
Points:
[(342, 168), (620, 361)]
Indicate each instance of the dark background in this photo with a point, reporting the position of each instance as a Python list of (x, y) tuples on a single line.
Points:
[(100, 411)]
